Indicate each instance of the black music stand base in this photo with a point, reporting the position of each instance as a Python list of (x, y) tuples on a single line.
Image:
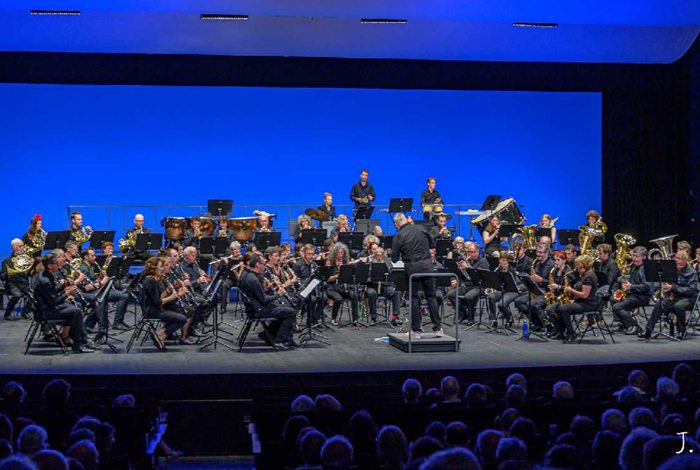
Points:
[(215, 338), (529, 330), (663, 334)]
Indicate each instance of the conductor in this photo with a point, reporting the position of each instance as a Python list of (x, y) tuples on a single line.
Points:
[(412, 244)]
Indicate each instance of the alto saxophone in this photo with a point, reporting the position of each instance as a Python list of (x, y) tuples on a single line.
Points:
[(550, 297)]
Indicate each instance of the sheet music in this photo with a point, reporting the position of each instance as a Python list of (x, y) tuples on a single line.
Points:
[(307, 291)]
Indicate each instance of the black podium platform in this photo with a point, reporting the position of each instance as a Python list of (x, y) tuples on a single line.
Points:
[(428, 342)]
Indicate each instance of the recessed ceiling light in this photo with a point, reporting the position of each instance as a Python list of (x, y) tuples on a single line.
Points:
[(381, 21), (223, 17), (536, 25), (55, 12)]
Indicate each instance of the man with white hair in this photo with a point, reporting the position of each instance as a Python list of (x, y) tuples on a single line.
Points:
[(134, 232), (16, 280), (412, 244), (31, 440)]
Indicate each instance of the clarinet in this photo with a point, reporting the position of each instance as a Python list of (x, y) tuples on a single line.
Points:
[(65, 275), (276, 281), (190, 299), (180, 302)]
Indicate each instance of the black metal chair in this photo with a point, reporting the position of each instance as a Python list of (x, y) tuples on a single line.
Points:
[(40, 323), (145, 324), (251, 322)]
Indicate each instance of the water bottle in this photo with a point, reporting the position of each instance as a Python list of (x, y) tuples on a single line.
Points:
[(526, 330)]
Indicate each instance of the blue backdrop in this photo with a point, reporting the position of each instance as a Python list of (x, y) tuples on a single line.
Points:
[(145, 145)]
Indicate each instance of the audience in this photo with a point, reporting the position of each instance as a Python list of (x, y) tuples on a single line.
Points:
[(412, 391), (336, 454)]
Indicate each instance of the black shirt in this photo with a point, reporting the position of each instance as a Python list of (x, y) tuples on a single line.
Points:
[(190, 239), (89, 275), (543, 270), (251, 286), (358, 191), (687, 285), (47, 293), (411, 244), (588, 279), (435, 233), (193, 273), (523, 265), (151, 291), (479, 263), (639, 285), (330, 213), (303, 269), (610, 269), (143, 230), (430, 198)]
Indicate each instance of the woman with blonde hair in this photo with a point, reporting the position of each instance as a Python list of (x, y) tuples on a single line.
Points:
[(582, 293)]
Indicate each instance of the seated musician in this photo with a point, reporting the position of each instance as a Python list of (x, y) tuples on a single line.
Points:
[(108, 253), (16, 279), (34, 238), (439, 231), (338, 256), (224, 230), (571, 255), (468, 292), (77, 230), (638, 293), (696, 262), (677, 299), (264, 223), (457, 248), (593, 217), (608, 266), (501, 300), (267, 306), (303, 223), (233, 266), (556, 287), (583, 295), (546, 240), (93, 283), (539, 273), (193, 304), (439, 295), (195, 275), (304, 269), (159, 299), (368, 243), (193, 234), (72, 251), (387, 289), (327, 206), (492, 241), (546, 222), (343, 226), (286, 254), (685, 246), (277, 275), (377, 231), (132, 252), (523, 262), (429, 198), (52, 303)]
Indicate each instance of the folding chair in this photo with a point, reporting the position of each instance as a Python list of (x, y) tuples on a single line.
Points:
[(145, 324), (251, 322), (40, 323)]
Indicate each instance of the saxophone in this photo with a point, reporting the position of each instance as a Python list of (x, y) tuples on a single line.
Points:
[(566, 298), (550, 297), (532, 273)]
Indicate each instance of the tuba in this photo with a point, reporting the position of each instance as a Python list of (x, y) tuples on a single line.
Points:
[(21, 264), (665, 245), (529, 235), (623, 260)]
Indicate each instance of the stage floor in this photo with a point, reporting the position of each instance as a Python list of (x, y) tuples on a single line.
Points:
[(351, 350)]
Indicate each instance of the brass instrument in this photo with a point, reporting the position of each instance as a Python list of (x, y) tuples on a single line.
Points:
[(21, 264), (36, 244), (623, 260), (588, 235), (665, 245), (566, 297), (554, 220), (532, 273), (106, 263), (529, 236), (129, 243), (550, 297), (81, 235)]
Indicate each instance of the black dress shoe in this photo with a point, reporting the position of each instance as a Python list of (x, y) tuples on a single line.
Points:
[(120, 326), (82, 350), (282, 347), (570, 337), (263, 337), (494, 324), (646, 334), (681, 335)]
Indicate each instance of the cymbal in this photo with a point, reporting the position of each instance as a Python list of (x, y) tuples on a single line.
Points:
[(316, 214), (469, 212)]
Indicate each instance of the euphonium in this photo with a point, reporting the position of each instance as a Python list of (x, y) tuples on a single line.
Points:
[(529, 234), (586, 238), (665, 245), (21, 264), (623, 260)]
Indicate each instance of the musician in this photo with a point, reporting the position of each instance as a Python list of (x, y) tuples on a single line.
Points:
[(468, 291), (583, 292), (52, 304), (377, 231), (439, 231), (501, 299), (303, 223), (285, 254), (77, 227), (224, 231), (304, 269), (696, 262), (387, 288), (492, 242), (412, 244), (189, 265), (34, 238), (571, 255), (343, 226), (438, 291), (264, 223), (338, 256), (685, 246), (194, 234), (546, 222), (457, 248), (556, 287), (539, 272), (93, 283), (608, 266), (327, 206), (677, 299), (108, 253), (362, 193), (368, 245), (546, 240), (131, 252), (593, 217), (233, 268), (16, 279), (276, 274), (523, 263), (266, 306), (638, 293), (159, 300), (429, 198)]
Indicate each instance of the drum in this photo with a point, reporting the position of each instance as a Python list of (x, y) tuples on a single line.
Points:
[(174, 227), (507, 210), (243, 227)]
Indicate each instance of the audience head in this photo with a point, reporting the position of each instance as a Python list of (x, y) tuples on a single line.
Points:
[(666, 390), (629, 395), (682, 462), (475, 396), (562, 456), (292, 427), (642, 416), (638, 379), (511, 448), (412, 391), (673, 424), (86, 453), (423, 448), (525, 429), (31, 440), (17, 462), (632, 451), (336, 454), (583, 427), (516, 379), (507, 419), (124, 401), (302, 404), (392, 448), (563, 390), (449, 388), (683, 376), (327, 403), (79, 435), (362, 427), (662, 448), (458, 458), (456, 435), (615, 421), (515, 397), (486, 445), (56, 393), (606, 449), (48, 459), (436, 430), (13, 393), (310, 448)]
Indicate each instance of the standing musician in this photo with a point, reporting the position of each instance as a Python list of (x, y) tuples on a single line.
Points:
[(439, 231), (501, 299), (539, 272), (327, 206), (94, 283), (266, 306), (343, 226), (677, 299), (276, 274), (233, 266), (194, 234), (523, 263), (224, 231), (429, 198), (438, 292), (388, 289), (303, 223), (457, 248), (555, 290), (131, 235), (159, 298), (412, 244), (338, 256), (15, 274), (468, 292), (607, 266), (78, 233), (492, 242), (35, 238), (638, 293), (546, 222), (52, 305), (362, 193), (583, 293), (593, 217), (304, 269)]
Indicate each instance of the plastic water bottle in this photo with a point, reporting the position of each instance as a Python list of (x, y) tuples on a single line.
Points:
[(526, 329)]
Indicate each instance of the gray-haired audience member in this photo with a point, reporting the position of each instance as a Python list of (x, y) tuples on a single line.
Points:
[(86, 453), (563, 390), (666, 390), (629, 395), (515, 397), (632, 451), (302, 404), (31, 440), (49, 459), (516, 379), (511, 448), (486, 445), (124, 401), (643, 416), (449, 388), (615, 421), (336, 454), (458, 458), (412, 391)]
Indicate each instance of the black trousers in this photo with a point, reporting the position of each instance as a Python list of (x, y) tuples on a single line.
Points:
[(281, 329), (536, 308), (173, 320), (338, 296), (391, 293), (73, 317), (677, 308), (315, 303), (428, 285), (224, 290), (564, 313), (621, 310), (15, 291), (468, 298), (503, 302)]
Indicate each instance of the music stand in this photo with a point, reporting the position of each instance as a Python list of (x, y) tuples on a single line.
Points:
[(401, 204), (56, 239), (347, 275), (442, 247), (313, 237), (145, 242), (99, 237), (366, 225), (499, 282), (545, 232), (264, 240), (507, 231), (353, 240), (493, 263), (364, 212), (215, 246), (567, 236), (220, 207), (490, 203), (214, 339), (532, 288), (124, 267), (385, 241), (661, 271), (477, 280), (99, 299)]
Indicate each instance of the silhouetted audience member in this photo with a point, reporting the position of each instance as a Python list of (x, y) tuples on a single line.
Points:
[(516, 379), (327, 403), (606, 448), (449, 390), (86, 453), (55, 415), (628, 396), (562, 390), (525, 430), (79, 435), (683, 376), (458, 458), (456, 435), (563, 456), (303, 404), (632, 451), (682, 462), (31, 440), (485, 449), (421, 449), (336, 454), (673, 424), (392, 448), (475, 397), (661, 448), (363, 435), (643, 416), (615, 421), (507, 419), (436, 430), (12, 394), (511, 448), (638, 381), (515, 397), (412, 391), (666, 390), (17, 462), (48, 459), (310, 449), (291, 430)]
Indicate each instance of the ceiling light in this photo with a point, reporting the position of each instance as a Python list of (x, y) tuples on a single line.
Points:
[(536, 25), (382, 21), (55, 12), (223, 17)]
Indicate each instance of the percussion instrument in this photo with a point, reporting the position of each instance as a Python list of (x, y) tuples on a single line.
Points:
[(432, 208), (174, 227), (507, 210), (243, 227), (316, 215)]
